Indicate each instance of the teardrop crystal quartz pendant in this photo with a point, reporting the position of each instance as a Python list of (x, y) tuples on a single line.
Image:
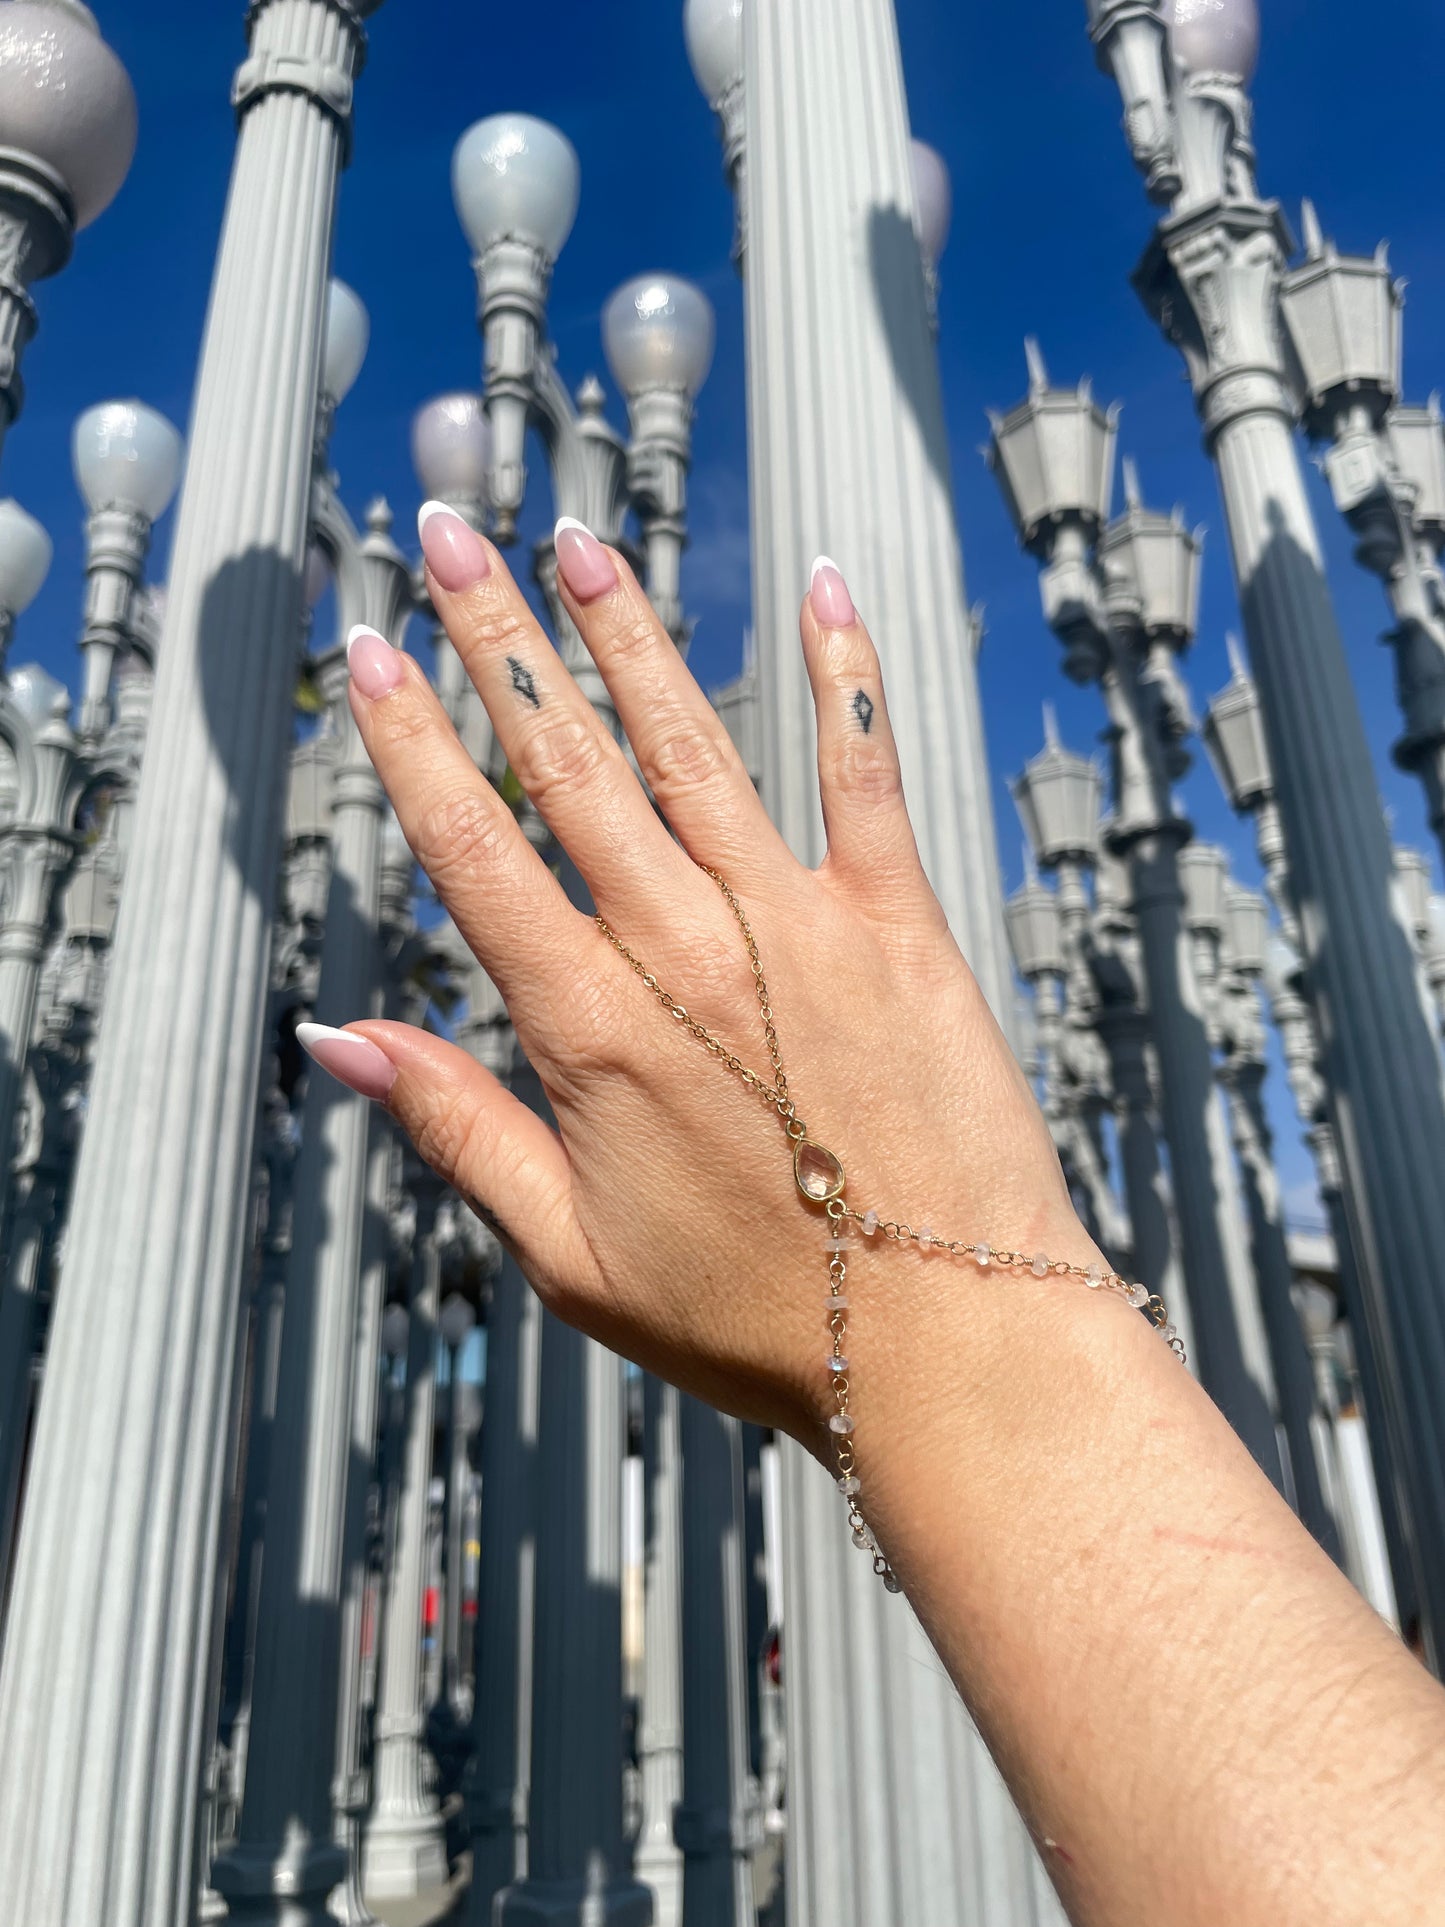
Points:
[(819, 1174)]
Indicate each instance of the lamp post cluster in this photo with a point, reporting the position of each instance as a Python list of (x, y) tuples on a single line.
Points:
[(239, 1389), (1268, 348)]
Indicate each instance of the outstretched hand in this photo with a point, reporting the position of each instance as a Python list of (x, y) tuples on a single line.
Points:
[(660, 1215)]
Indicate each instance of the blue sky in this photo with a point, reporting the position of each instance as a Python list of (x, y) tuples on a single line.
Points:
[(1049, 221)]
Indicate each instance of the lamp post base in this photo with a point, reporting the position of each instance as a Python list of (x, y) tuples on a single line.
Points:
[(280, 1886), (574, 1903), (404, 1855)]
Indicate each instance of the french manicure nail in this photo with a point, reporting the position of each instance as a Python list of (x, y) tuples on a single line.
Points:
[(353, 1061), (582, 562), (376, 668), (832, 604), (455, 553)]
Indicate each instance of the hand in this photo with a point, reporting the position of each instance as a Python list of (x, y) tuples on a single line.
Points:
[(661, 1216)]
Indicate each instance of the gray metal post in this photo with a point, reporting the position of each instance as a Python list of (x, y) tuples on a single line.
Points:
[(717, 1821), (101, 1761)]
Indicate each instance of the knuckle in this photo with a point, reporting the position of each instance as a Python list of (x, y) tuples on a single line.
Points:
[(867, 771), (600, 1035), (489, 628), (636, 634), (449, 1133), (458, 833), (565, 753), (682, 759)]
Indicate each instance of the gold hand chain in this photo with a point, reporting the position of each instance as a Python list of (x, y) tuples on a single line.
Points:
[(820, 1178)]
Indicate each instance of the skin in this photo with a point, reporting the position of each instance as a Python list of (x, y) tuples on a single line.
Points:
[(1199, 1717)]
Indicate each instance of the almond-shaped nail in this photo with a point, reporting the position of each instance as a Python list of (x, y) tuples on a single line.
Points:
[(455, 553), (832, 604), (376, 668), (582, 562), (353, 1061)]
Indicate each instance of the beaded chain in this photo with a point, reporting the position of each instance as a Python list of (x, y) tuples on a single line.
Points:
[(821, 1180)]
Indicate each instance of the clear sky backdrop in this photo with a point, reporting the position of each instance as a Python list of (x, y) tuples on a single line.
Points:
[(1049, 220)]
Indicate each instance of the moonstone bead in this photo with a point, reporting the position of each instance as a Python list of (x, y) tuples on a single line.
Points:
[(837, 1303), (1094, 1277), (870, 1223), (836, 1244), (891, 1583), (925, 1236), (1169, 1334), (842, 1425), (862, 1541), (837, 1365), (1138, 1296), (850, 1488), (982, 1257), (1040, 1266)]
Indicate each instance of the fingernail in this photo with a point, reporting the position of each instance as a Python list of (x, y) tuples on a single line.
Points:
[(376, 668), (353, 1061), (455, 553), (582, 562), (832, 604)]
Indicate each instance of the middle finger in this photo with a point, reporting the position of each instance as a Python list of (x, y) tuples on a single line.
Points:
[(558, 748)]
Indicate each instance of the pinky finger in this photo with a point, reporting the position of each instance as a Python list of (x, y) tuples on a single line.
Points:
[(507, 1164)]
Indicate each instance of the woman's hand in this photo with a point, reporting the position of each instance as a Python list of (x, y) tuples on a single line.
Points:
[(661, 1214)]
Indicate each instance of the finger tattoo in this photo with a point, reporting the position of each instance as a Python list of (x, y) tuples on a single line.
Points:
[(862, 707), (524, 682)]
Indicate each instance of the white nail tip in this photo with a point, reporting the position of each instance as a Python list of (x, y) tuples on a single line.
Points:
[(308, 1035), (570, 522), (362, 629), (824, 562), (428, 510)]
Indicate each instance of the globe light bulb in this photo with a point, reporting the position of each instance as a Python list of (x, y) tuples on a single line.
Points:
[(933, 196), (348, 335), (451, 448), (25, 552), (713, 30), (66, 100), (126, 456), (37, 695), (1215, 36), (516, 178), (658, 332)]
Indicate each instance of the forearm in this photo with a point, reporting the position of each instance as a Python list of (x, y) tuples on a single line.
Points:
[(1172, 1675)]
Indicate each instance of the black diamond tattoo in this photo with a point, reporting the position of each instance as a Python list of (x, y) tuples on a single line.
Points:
[(863, 710), (526, 687)]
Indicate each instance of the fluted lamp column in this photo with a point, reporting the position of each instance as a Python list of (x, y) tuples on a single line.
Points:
[(658, 1857), (69, 117), (839, 418), (100, 1760)]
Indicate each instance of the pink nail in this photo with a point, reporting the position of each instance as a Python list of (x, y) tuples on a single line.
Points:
[(376, 668), (455, 554), (582, 562), (353, 1061), (832, 604)]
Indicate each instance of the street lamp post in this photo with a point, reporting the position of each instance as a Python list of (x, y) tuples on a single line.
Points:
[(127, 464), (69, 115), (458, 1322), (1122, 598), (1211, 276), (100, 1761), (1386, 468)]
